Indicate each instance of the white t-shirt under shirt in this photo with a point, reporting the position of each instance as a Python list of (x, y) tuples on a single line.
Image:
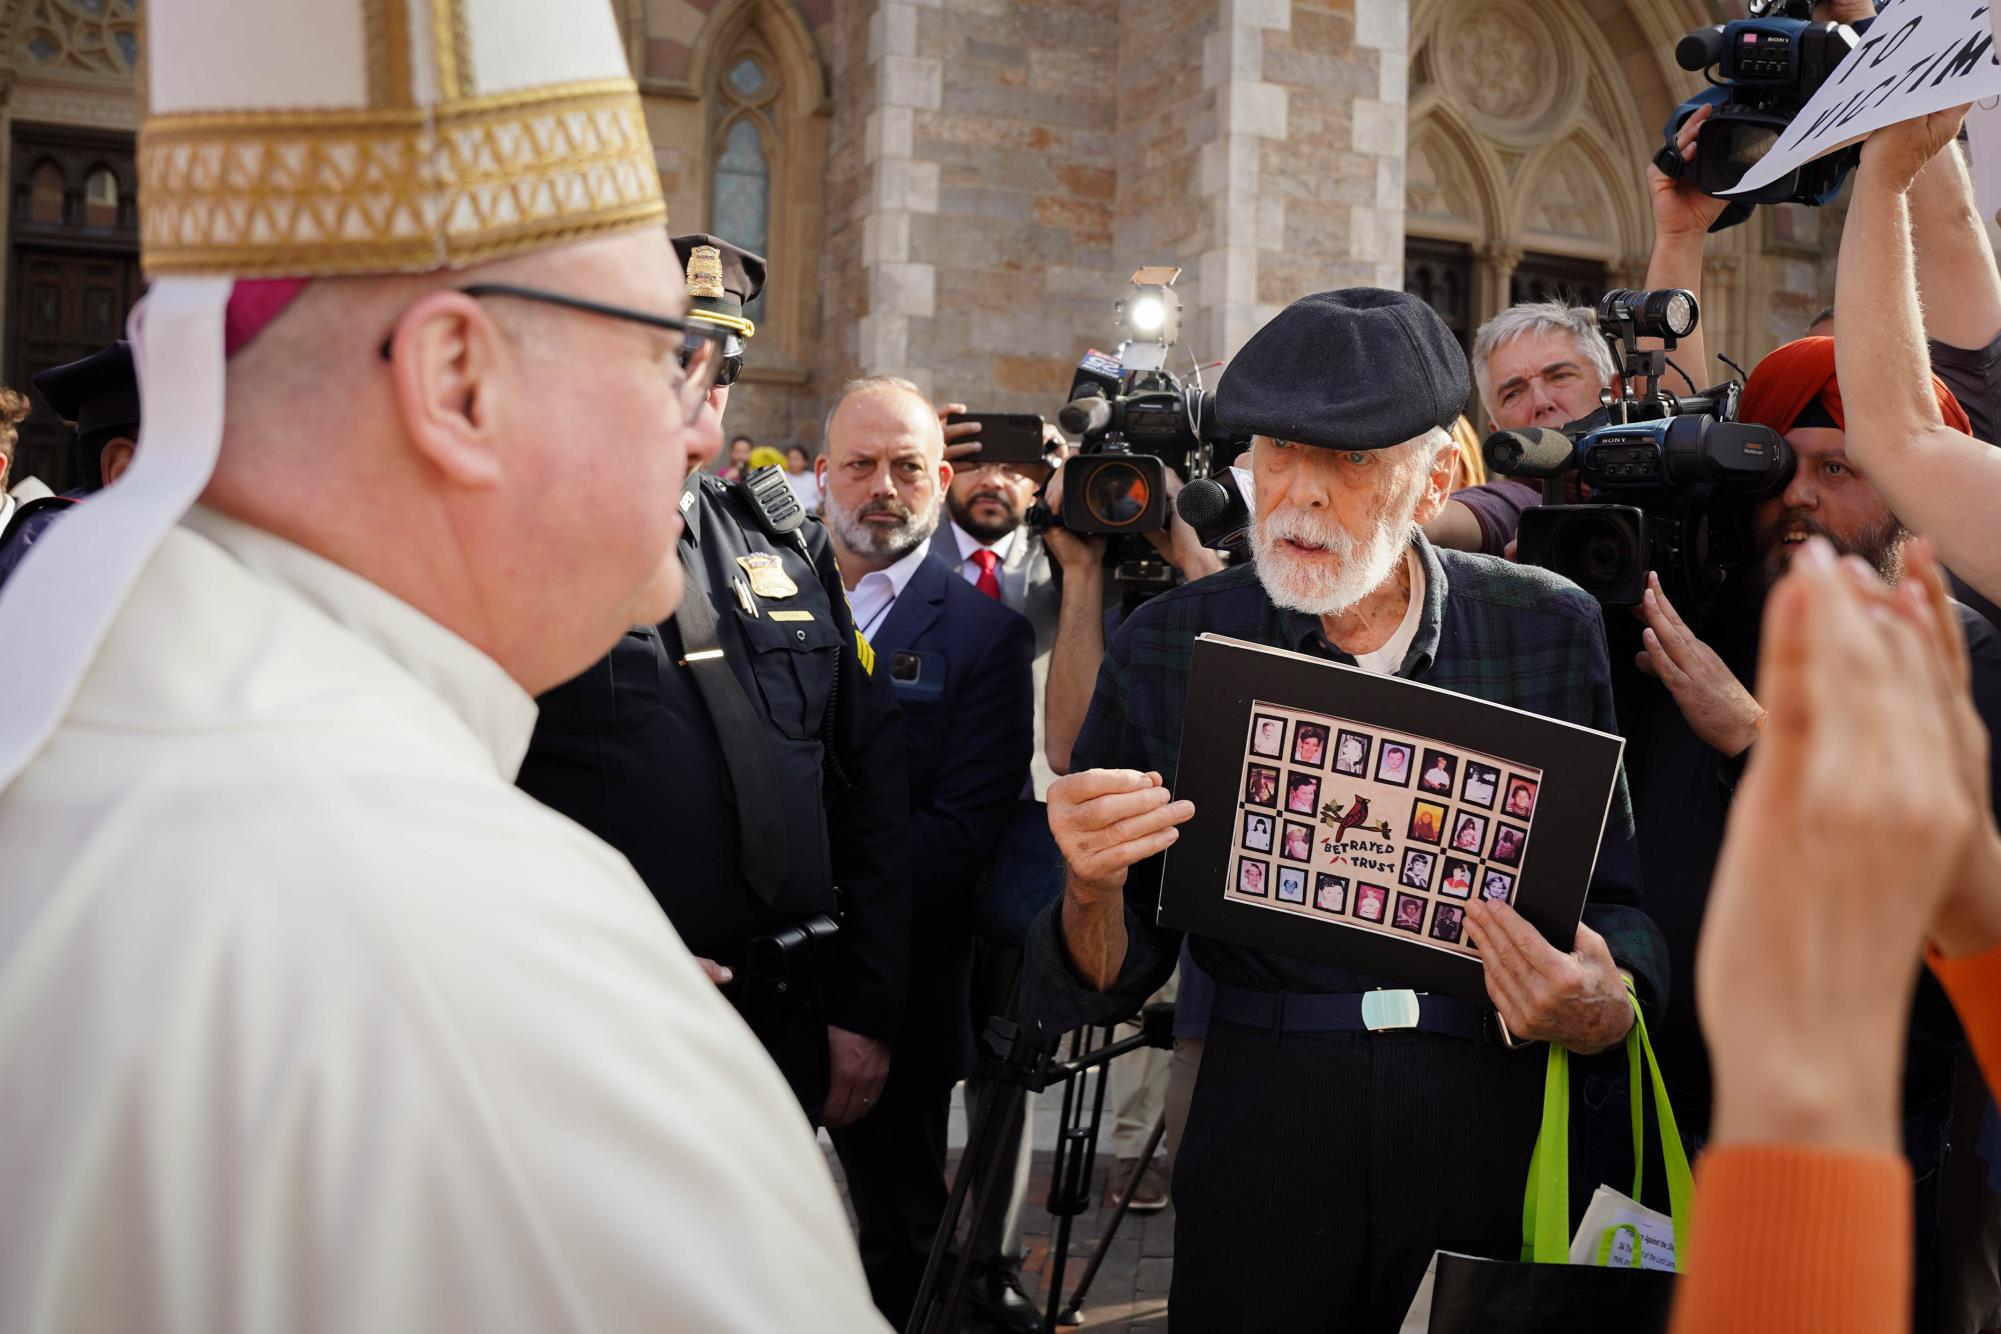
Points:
[(1385, 660)]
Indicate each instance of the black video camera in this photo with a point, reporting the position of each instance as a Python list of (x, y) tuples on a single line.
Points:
[(1671, 480), (1766, 67), (1135, 425)]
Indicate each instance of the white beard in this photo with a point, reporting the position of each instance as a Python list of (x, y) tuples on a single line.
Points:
[(1321, 587)]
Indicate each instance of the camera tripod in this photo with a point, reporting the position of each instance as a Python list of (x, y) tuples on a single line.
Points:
[(1019, 1061)]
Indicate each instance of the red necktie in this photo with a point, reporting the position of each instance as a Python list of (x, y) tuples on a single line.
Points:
[(988, 582)]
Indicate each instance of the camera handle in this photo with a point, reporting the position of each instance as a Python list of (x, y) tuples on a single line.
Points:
[(1018, 1061)]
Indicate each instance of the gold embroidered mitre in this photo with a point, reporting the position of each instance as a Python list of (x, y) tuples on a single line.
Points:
[(301, 138)]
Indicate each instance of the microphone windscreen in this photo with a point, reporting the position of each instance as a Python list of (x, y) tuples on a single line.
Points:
[(1534, 451), (1202, 503)]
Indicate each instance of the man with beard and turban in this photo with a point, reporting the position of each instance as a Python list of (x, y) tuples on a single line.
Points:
[(1690, 734), (1346, 395), (960, 664)]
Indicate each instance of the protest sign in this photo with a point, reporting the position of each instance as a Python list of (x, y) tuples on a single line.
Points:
[(1920, 56)]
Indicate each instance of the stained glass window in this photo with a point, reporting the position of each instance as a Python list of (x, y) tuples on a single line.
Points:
[(746, 77), (100, 198), (45, 194), (100, 36), (743, 194)]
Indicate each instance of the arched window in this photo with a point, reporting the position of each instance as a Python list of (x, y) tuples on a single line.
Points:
[(746, 144), (100, 198), (45, 194)]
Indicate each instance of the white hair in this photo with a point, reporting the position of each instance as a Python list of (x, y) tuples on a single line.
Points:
[(1539, 317)]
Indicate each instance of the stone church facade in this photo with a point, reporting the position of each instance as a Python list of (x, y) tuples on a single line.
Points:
[(957, 190)]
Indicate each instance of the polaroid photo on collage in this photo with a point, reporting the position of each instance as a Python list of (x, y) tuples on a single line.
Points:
[(1521, 797), (1410, 914), (1351, 754), (1251, 878), (1496, 885), (1483, 783), (1509, 840), (1448, 923), (1427, 823), (1459, 877), (1330, 893), (1257, 831), (1372, 902), (1298, 844), (1309, 745), (1291, 885), (1302, 793), (1469, 832), (1437, 772), (1393, 762), (1268, 737), (1417, 868)]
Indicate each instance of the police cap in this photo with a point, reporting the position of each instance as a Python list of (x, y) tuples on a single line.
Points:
[(1361, 368), (100, 394), (722, 280)]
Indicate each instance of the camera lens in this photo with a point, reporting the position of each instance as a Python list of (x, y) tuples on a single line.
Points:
[(1117, 494), (1596, 552)]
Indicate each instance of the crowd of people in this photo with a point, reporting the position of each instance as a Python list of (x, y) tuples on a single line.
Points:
[(453, 873)]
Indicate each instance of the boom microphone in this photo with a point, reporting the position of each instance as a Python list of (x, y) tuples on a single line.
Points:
[(1534, 451)]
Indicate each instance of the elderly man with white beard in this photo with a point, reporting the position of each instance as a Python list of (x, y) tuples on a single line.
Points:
[(1310, 1186)]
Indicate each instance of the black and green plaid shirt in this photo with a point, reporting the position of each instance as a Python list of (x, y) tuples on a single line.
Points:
[(1513, 634)]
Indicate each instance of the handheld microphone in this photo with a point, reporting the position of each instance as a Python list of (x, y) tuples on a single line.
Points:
[(1534, 451), (1097, 381)]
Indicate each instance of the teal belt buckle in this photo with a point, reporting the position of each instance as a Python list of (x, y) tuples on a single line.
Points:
[(1384, 1011)]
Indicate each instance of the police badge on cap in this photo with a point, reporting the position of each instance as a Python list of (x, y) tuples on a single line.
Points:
[(722, 280)]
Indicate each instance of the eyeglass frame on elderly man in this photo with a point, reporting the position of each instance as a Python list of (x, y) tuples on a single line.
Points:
[(695, 337)]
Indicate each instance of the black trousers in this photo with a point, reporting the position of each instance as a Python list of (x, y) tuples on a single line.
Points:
[(895, 1163), (1320, 1171), (793, 1032)]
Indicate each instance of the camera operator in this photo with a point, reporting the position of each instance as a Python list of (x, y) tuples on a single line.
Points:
[(1689, 738), (1274, 1232), (1544, 363)]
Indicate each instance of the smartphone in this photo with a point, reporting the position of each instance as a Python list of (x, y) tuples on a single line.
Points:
[(1005, 437)]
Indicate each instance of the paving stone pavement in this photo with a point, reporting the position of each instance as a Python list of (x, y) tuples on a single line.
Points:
[(1130, 1293)]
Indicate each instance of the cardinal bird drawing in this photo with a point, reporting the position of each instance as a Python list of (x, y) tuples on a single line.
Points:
[(1351, 818)]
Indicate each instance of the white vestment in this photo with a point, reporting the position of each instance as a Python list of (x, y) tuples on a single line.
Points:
[(310, 1020)]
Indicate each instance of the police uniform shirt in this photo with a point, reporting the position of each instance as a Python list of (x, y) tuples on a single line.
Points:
[(629, 751)]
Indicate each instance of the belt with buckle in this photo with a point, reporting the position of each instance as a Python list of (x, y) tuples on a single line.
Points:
[(1388, 1011)]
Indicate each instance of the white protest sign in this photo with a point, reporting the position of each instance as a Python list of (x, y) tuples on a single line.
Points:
[(1920, 56)]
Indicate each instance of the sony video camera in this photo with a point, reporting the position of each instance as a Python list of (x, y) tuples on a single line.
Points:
[(1766, 67), (1137, 421), (1671, 481)]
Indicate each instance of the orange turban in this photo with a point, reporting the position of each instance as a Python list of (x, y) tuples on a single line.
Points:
[(1783, 384)]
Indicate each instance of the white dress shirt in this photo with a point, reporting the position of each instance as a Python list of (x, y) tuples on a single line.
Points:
[(877, 591), (310, 1019), (969, 569)]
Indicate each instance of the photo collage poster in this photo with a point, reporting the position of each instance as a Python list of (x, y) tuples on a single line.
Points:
[(1390, 832)]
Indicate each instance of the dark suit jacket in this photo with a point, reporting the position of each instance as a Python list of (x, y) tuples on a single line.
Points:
[(960, 663)]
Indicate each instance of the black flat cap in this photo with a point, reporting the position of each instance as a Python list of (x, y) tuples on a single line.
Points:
[(1362, 368), (722, 280), (100, 394)]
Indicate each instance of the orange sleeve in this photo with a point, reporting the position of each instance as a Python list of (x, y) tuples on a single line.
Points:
[(1788, 1239), (1973, 982)]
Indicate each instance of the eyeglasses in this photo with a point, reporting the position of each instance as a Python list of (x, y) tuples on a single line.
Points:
[(699, 362)]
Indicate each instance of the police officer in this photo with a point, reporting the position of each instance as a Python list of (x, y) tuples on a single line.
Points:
[(747, 758), (99, 396)]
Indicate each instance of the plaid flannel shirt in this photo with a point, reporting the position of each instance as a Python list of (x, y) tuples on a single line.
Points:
[(1512, 634)]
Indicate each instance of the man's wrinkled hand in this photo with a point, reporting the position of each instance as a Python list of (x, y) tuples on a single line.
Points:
[(857, 1067), (1717, 706), (1576, 1000), (1106, 820)]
